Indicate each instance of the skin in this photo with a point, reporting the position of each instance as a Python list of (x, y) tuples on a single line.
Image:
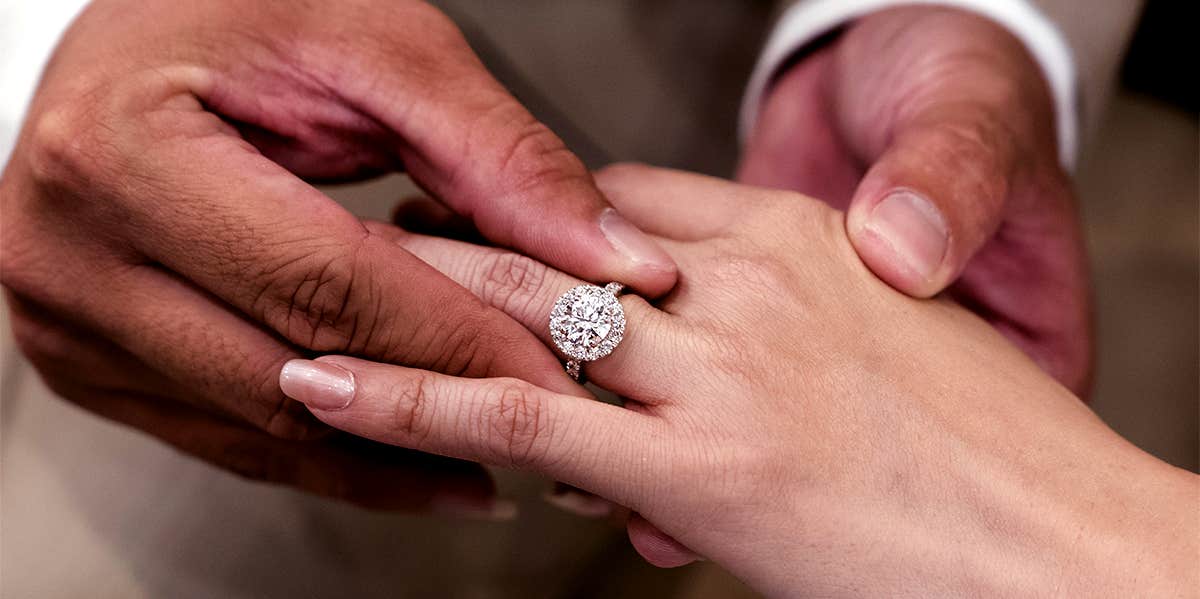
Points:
[(949, 110), (799, 422), (163, 248), (184, 136)]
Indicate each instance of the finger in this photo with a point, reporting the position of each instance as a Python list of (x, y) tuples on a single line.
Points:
[(933, 199), (952, 121), (369, 475), (656, 546), (641, 367), (60, 350), (108, 380), (280, 251), (473, 146), (506, 422), (217, 359), (674, 204), (918, 229)]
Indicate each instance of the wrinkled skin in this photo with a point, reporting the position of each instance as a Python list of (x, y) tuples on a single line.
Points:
[(798, 421), (949, 107), (163, 250)]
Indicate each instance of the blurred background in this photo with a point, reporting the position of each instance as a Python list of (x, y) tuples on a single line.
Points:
[(69, 523)]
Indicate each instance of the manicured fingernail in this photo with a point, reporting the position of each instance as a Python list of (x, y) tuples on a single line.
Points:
[(913, 228), (579, 504), (632, 243), (318, 385), (495, 510)]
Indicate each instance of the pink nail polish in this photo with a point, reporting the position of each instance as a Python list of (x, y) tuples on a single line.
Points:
[(318, 385)]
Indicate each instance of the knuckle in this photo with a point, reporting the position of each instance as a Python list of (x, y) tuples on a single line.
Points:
[(75, 145), (411, 405), (511, 282), (529, 158), (323, 299), (463, 343), (463, 352), (534, 154), (516, 423), (980, 150), (56, 146)]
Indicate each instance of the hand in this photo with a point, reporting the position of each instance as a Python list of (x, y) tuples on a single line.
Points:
[(163, 251), (799, 422), (934, 129)]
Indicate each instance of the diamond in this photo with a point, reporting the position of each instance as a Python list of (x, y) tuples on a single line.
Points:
[(587, 322)]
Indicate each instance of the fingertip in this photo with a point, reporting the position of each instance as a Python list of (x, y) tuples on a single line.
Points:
[(904, 239), (657, 547), (651, 270)]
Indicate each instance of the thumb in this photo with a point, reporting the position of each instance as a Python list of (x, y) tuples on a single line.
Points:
[(934, 197), (469, 143), (952, 113)]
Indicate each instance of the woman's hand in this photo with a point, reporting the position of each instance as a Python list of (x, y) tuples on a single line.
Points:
[(163, 250), (797, 421)]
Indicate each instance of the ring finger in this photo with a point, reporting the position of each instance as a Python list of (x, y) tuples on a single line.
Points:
[(641, 365)]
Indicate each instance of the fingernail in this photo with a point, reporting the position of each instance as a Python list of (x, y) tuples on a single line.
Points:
[(318, 385), (498, 510), (913, 228), (632, 243), (579, 504)]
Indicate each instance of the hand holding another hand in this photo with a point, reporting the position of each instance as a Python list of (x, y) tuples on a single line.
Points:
[(934, 129), (165, 254), (797, 421)]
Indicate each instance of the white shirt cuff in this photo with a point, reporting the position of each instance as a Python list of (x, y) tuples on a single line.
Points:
[(807, 20)]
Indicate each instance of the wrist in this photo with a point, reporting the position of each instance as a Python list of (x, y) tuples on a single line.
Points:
[(1059, 504), (1051, 502)]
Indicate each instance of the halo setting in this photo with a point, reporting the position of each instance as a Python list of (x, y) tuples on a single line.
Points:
[(588, 322)]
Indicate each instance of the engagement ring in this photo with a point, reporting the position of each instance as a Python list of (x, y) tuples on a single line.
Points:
[(587, 323)]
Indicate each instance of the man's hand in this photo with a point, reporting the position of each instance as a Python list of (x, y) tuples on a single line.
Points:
[(934, 129), (164, 254)]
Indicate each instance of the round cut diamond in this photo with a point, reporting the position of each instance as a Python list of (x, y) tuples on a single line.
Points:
[(587, 322)]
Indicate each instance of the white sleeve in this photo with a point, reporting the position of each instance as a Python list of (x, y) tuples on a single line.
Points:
[(807, 20), (29, 31)]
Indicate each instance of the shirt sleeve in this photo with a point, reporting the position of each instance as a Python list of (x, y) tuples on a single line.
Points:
[(809, 19)]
